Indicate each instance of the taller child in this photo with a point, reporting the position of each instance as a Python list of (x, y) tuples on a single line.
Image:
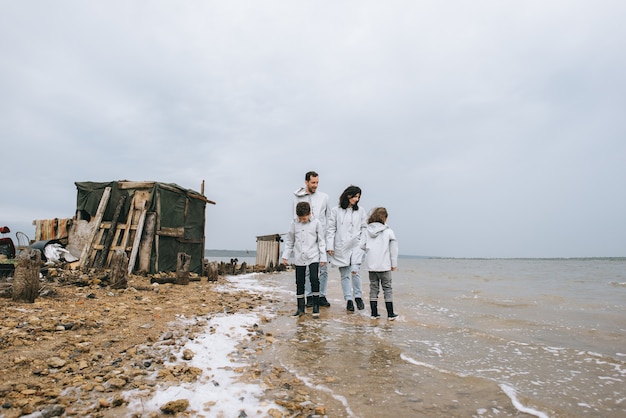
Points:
[(319, 210), (305, 241)]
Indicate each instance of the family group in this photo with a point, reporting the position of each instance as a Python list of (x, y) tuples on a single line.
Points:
[(345, 237)]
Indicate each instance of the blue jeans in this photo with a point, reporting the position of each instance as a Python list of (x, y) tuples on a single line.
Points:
[(351, 281), (323, 278)]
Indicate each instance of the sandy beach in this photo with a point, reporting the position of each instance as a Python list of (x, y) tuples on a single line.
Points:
[(92, 351), (474, 338)]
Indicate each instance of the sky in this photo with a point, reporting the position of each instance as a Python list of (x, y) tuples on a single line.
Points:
[(486, 128)]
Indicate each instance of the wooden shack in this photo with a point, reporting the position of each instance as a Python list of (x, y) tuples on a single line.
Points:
[(151, 221), (268, 250)]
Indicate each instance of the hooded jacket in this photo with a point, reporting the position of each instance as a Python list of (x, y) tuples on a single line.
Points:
[(318, 202), (306, 242), (380, 246)]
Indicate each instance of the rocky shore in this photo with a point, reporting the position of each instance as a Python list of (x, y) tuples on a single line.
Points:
[(77, 350)]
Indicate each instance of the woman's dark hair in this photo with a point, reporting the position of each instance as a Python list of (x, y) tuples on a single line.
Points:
[(344, 199)]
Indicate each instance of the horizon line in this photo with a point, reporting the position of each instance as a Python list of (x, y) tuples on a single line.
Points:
[(253, 253)]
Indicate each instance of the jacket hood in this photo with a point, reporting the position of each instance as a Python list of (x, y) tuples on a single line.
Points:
[(300, 192), (375, 228)]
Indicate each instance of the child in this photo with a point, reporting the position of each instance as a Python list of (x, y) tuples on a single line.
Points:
[(305, 240), (381, 258)]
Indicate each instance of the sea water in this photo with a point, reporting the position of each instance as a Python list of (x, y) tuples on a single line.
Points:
[(484, 338)]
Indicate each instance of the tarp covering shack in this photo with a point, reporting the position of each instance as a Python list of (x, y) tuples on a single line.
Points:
[(151, 221)]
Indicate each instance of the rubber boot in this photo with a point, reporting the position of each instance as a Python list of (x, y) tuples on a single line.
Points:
[(374, 307), (316, 306), (390, 314), (300, 310), (359, 304), (309, 301)]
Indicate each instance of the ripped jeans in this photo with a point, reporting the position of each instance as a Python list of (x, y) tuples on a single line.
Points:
[(351, 281)]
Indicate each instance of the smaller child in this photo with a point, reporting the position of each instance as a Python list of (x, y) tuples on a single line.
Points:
[(305, 240), (381, 258)]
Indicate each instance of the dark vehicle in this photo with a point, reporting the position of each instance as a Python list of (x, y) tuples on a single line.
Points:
[(7, 247), (7, 253)]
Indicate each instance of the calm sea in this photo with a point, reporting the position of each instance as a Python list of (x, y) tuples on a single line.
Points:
[(484, 338)]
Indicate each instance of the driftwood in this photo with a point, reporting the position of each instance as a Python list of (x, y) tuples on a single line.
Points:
[(211, 270), (182, 268), (162, 280), (26, 277), (119, 270)]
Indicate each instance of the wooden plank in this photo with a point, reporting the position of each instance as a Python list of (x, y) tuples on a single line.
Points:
[(111, 236), (97, 221), (124, 185), (137, 240), (145, 248), (171, 232), (126, 232)]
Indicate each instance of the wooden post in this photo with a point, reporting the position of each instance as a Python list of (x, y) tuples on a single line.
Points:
[(203, 233), (157, 230), (182, 268), (84, 256), (26, 276), (145, 248), (119, 269), (212, 271)]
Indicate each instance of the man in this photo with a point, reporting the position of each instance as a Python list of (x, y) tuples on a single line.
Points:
[(319, 210)]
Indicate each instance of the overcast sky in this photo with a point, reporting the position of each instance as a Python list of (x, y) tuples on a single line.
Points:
[(487, 128)]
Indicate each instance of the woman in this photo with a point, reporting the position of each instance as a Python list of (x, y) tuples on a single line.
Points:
[(346, 223)]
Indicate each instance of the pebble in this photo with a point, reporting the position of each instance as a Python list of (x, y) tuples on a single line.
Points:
[(106, 342)]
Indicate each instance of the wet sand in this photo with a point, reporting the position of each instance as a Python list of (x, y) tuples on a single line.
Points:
[(347, 367)]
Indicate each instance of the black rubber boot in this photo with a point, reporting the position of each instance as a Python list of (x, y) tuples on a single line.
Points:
[(316, 306), (309, 301), (350, 306), (300, 310), (359, 304), (390, 314), (374, 307)]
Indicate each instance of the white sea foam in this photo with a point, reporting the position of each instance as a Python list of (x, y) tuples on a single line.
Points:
[(429, 366), (322, 388), (512, 394), (217, 390)]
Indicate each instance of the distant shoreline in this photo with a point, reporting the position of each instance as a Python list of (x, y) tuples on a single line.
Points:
[(252, 254)]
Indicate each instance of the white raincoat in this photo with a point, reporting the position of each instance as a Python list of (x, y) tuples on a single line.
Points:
[(380, 246), (343, 235), (306, 242)]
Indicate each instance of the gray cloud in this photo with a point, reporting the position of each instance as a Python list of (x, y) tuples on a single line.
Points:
[(487, 129)]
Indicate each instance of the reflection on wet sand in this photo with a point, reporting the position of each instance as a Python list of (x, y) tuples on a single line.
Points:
[(349, 366)]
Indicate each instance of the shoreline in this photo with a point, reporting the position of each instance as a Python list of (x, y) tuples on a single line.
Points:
[(88, 351)]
